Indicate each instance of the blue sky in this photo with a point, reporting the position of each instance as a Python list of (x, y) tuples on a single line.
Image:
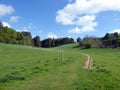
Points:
[(62, 18)]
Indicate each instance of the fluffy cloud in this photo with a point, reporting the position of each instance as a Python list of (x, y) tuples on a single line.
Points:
[(5, 10), (5, 24), (82, 13), (14, 19), (78, 30), (51, 35), (116, 30), (86, 20)]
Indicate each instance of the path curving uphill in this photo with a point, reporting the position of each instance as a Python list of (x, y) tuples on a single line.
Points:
[(88, 63)]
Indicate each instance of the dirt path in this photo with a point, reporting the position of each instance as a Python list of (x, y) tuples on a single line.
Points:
[(88, 63)]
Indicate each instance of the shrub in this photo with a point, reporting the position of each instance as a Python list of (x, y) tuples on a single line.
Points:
[(87, 46)]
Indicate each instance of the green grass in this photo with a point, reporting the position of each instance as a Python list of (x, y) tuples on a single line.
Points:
[(28, 68)]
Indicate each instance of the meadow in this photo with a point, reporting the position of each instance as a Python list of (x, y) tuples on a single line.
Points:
[(28, 68)]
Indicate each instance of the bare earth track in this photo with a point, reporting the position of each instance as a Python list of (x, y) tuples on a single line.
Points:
[(88, 63)]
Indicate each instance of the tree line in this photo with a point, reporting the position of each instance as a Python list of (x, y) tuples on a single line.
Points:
[(110, 40), (47, 43), (11, 36)]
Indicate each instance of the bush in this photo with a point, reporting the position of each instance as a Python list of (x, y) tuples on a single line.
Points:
[(10, 77), (87, 46)]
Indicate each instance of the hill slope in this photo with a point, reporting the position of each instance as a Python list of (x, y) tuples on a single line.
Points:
[(28, 68), (24, 68)]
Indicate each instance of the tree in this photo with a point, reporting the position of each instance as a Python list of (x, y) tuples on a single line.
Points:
[(111, 40), (58, 42), (53, 42), (116, 35), (78, 40), (87, 46), (36, 41), (1, 25), (1, 32), (66, 40), (118, 41), (106, 37), (19, 36), (27, 38), (47, 43)]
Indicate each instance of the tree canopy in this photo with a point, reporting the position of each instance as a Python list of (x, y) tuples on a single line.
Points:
[(47, 43), (9, 35)]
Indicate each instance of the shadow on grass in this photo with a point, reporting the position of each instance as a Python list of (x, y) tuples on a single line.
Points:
[(77, 46)]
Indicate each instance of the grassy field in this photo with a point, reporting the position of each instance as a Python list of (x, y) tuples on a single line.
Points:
[(28, 68)]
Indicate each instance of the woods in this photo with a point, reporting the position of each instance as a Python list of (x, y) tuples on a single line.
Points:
[(11, 36), (110, 40), (47, 43)]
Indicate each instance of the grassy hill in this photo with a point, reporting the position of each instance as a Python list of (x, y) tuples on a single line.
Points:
[(28, 68)]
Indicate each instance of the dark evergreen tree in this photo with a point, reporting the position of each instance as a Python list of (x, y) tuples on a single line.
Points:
[(78, 40), (47, 43), (53, 42), (36, 41), (1, 25)]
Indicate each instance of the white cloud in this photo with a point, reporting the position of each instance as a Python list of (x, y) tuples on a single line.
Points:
[(86, 20), (64, 18), (69, 36), (51, 35), (5, 10), (14, 19), (87, 24), (5, 24), (78, 30), (115, 30), (82, 13), (81, 7), (17, 30)]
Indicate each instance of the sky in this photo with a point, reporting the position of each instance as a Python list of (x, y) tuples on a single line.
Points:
[(62, 18)]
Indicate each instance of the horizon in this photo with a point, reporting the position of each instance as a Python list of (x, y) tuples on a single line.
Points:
[(64, 18)]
